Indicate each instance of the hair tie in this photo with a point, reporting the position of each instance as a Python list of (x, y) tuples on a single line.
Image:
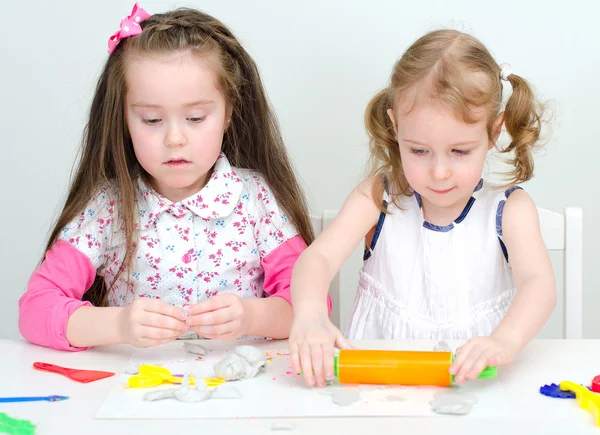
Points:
[(130, 26), (505, 71)]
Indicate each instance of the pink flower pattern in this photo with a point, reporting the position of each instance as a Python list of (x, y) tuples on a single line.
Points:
[(186, 252)]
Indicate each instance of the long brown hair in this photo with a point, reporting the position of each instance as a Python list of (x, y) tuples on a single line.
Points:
[(462, 73), (252, 140)]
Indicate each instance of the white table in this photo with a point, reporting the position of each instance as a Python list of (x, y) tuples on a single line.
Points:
[(542, 362)]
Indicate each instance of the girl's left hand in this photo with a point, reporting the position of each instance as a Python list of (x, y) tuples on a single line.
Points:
[(479, 352), (222, 317)]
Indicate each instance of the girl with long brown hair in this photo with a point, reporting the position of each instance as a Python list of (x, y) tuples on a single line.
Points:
[(184, 216)]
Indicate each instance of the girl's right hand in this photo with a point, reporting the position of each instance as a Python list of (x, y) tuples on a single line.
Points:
[(150, 322), (312, 341)]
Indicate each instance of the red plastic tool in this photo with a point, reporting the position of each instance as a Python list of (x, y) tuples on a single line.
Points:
[(596, 384), (83, 376)]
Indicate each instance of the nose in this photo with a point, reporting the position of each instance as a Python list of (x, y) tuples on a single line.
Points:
[(441, 168), (175, 136)]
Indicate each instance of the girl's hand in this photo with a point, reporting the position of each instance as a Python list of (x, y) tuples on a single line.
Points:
[(479, 352), (312, 341), (150, 322), (222, 317)]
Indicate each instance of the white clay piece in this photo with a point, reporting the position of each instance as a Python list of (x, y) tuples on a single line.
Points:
[(442, 346), (282, 426), (453, 402), (345, 397), (342, 396), (394, 398), (245, 362), (132, 368), (195, 348), (188, 394)]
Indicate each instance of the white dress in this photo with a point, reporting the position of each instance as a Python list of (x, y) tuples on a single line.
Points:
[(422, 281)]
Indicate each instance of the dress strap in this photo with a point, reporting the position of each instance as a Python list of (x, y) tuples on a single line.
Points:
[(386, 199), (499, 213)]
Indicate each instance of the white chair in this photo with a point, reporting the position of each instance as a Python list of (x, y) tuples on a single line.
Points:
[(561, 232), (564, 232)]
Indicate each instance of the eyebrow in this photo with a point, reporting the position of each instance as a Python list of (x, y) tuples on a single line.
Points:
[(468, 142), (158, 106)]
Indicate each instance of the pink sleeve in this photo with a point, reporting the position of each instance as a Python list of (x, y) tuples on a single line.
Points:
[(54, 292), (278, 266)]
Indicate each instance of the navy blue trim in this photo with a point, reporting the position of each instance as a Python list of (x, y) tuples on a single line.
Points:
[(459, 219), (499, 214), (380, 221), (438, 228), (465, 211), (503, 247), (511, 190), (418, 198), (378, 228)]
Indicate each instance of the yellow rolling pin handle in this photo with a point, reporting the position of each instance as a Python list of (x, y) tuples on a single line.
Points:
[(586, 399)]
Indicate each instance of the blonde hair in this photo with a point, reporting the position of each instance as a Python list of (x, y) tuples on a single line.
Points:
[(463, 74), (252, 140)]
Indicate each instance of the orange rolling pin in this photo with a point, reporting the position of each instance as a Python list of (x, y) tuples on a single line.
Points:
[(399, 367)]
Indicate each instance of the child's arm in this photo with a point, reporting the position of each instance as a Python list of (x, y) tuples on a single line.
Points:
[(313, 336), (317, 266), (144, 323), (534, 279), (53, 294), (535, 298), (52, 314)]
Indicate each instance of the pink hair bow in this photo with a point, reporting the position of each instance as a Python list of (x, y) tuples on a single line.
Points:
[(130, 26)]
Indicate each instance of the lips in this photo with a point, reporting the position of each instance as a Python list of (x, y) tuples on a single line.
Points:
[(441, 192), (177, 163)]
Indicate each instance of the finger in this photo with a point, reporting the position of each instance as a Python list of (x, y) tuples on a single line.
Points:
[(149, 342), (217, 317), (161, 307), (460, 355), (226, 337), (210, 331), (328, 357), (500, 357), (212, 304), (316, 356), (341, 342), (494, 360), (468, 363), (152, 333), (294, 356), (306, 365), (480, 363), (162, 321)]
